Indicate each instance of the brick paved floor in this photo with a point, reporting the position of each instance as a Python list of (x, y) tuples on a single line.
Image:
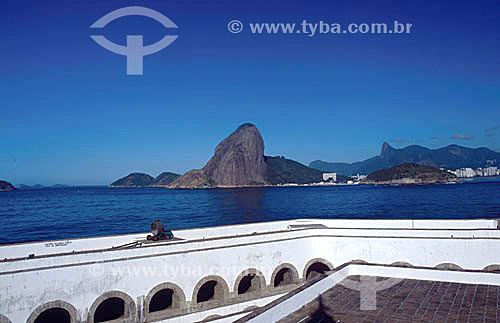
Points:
[(407, 301)]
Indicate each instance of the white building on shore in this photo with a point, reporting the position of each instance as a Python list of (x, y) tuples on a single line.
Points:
[(469, 172), (489, 171), (465, 172), (328, 176)]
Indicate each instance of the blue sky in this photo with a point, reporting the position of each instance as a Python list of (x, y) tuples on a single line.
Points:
[(71, 115)]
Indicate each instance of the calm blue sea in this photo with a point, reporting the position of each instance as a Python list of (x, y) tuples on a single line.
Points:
[(60, 213)]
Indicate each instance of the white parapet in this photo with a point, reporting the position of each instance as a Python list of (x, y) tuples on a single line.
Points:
[(80, 274)]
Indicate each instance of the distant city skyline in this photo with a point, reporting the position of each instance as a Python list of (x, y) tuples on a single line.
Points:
[(72, 116)]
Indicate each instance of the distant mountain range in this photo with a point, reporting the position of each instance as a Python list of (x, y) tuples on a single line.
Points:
[(237, 161), (449, 157)]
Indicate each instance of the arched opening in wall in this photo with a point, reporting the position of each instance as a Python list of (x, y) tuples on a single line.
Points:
[(249, 283), (54, 311), (209, 291), (54, 315), (285, 276), (162, 300), (111, 306), (110, 309), (315, 269)]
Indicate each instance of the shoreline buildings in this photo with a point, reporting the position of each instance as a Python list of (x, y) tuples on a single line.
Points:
[(481, 172)]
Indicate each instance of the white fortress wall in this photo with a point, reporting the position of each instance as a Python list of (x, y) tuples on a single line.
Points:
[(80, 278)]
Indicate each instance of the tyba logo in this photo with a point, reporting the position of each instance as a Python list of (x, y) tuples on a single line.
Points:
[(135, 51)]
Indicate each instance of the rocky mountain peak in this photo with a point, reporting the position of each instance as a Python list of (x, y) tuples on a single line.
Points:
[(238, 161), (386, 149)]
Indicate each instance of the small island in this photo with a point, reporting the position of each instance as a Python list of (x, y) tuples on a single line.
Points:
[(6, 187), (410, 173), (135, 180)]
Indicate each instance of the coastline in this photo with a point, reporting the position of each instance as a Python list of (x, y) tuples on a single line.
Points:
[(403, 182)]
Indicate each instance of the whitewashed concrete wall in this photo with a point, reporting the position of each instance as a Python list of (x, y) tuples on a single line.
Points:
[(81, 278)]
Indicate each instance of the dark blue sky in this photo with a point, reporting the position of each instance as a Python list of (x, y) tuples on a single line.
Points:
[(71, 115)]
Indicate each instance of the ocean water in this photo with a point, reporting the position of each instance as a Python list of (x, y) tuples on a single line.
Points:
[(60, 213)]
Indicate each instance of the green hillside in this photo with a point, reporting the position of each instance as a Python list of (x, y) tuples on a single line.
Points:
[(282, 171)]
